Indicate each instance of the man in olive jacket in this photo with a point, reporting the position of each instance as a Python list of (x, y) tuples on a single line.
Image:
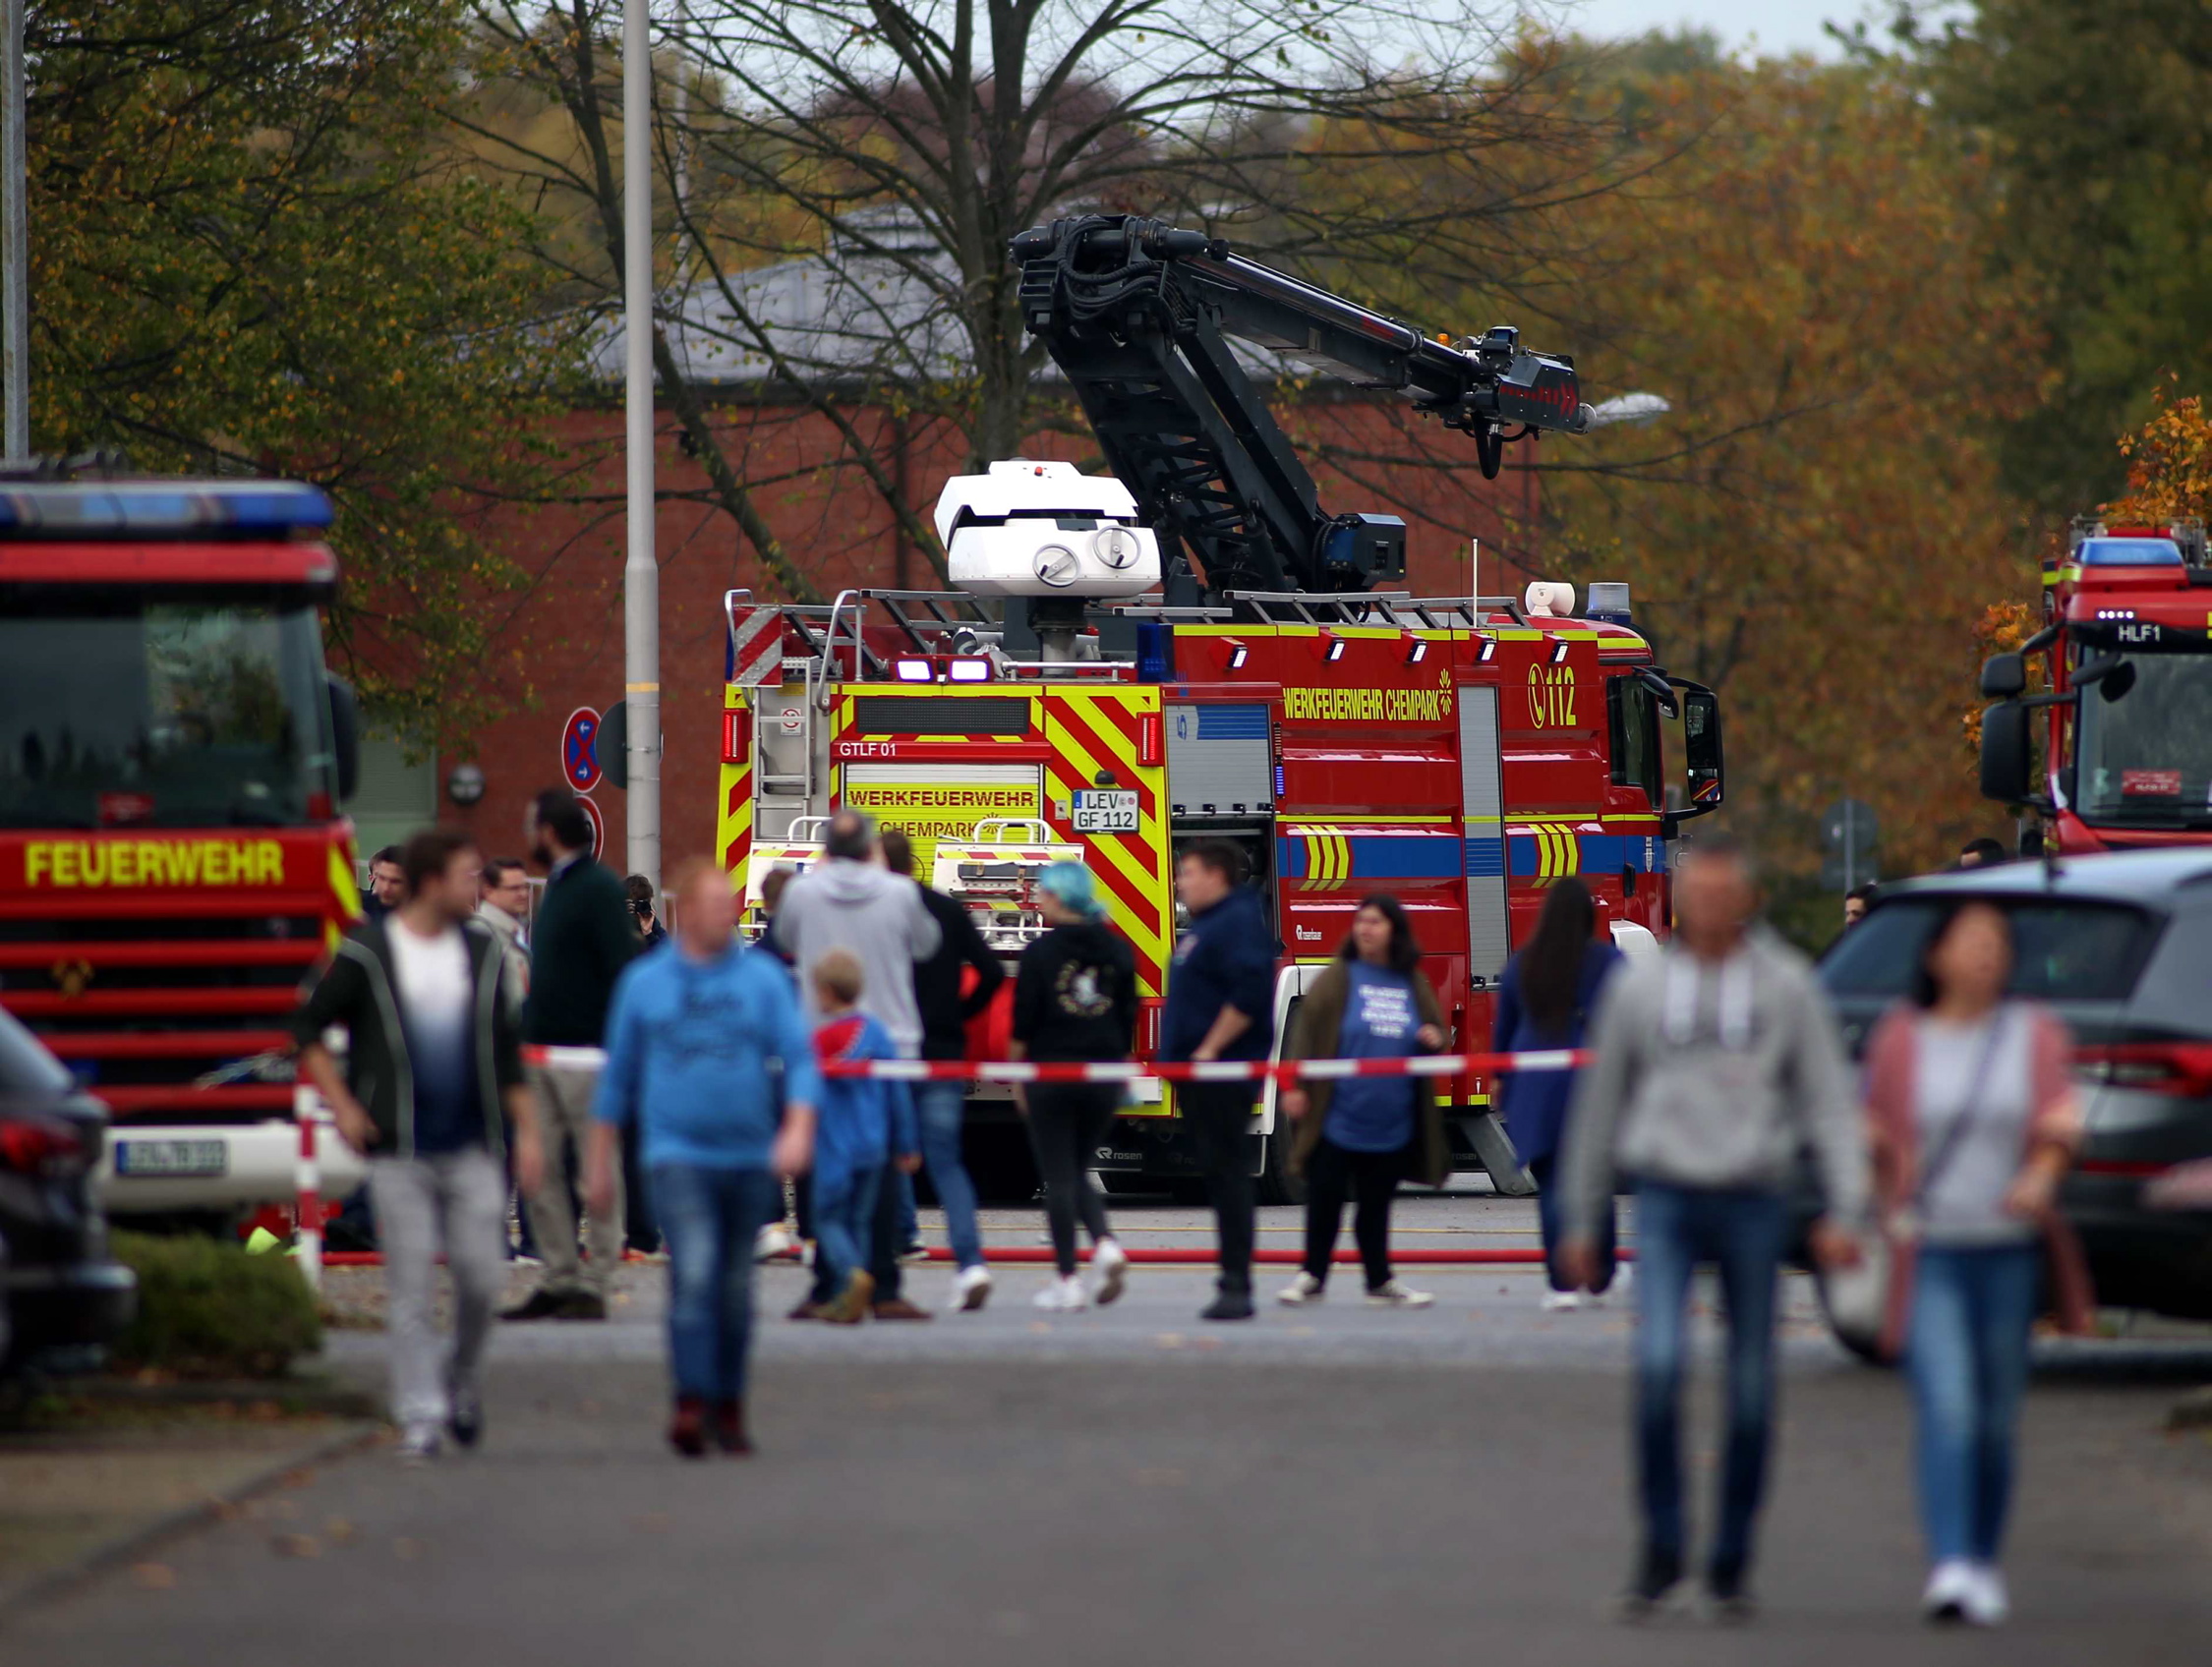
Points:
[(580, 943)]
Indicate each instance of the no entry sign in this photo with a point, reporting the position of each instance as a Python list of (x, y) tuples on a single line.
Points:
[(579, 750)]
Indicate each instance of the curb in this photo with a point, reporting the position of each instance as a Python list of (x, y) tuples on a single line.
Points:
[(2193, 1411), (323, 1395), (128, 1548)]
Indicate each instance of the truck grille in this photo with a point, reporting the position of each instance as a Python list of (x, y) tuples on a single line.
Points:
[(139, 1008)]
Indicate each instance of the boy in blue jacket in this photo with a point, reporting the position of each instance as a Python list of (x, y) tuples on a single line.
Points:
[(864, 1123)]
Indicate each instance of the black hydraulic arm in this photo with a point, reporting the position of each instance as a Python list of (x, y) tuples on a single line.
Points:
[(1138, 315)]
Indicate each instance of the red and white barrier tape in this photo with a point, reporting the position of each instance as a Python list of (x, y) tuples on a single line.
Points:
[(1214, 1071)]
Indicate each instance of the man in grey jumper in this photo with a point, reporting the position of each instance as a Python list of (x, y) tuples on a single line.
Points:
[(1713, 1067), (852, 902)]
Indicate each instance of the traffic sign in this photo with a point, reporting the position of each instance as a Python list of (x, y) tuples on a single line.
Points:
[(1850, 835), (579, 750), (598, 819), (614, 744)]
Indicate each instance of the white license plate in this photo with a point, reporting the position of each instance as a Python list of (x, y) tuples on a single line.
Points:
[(1101, 812), (171, 1159)]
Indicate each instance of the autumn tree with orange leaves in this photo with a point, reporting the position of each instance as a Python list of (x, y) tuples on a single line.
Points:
[(1818, 516), (2169, 465)]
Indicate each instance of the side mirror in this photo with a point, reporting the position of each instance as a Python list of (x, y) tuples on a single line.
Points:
[(2004, 676), (1703, 764), (2004, 752), (345, 736)]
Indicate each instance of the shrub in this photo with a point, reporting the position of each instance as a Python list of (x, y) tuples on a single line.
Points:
[(208, 1309)]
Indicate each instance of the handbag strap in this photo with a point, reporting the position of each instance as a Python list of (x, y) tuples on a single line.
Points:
[(1955, 1136)]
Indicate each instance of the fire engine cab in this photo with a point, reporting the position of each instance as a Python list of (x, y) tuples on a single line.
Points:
[(1193, 647), (2127, 715)]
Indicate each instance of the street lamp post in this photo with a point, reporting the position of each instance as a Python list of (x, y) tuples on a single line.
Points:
[(15, 245), (641, 572)]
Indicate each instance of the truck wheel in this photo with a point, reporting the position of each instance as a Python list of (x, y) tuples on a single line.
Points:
[(1277, 1186)]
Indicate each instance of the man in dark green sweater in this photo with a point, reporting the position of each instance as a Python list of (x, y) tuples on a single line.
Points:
[(579, 943)]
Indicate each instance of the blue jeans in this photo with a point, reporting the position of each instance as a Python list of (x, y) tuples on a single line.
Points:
[(941, 1108), (1968, 1354), (845, 1207), (709, 1218), (1742, 1235)]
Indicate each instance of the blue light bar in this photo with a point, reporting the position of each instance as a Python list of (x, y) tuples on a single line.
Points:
[(2128, 553), (103, 510)]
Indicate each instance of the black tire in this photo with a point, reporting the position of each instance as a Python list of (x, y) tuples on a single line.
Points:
[(1865, 1346), (1277, 1184), (1000, 1165)]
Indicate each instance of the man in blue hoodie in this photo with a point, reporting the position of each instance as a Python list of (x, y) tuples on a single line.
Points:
[(1221, 1005), (695, 1034)]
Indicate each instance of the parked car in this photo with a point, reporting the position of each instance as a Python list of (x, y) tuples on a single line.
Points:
[(59, 1288), (2121, 947)]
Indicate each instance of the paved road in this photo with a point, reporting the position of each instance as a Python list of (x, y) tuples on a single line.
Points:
[(1339, 1485)]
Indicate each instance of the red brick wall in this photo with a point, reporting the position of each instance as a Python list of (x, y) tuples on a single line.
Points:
[(559, 645)]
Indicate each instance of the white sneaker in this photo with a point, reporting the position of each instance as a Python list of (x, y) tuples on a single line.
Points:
[(1952, 1587), (772, 1240), (972, 1289), (421, 1444), (1391, 1295), (1560, 1301), (1301, 1291), (1988, 1603), (1063, 1296), (1110, 1262)]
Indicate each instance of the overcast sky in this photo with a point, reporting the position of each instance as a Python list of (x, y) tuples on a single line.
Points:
[(1780, 26)]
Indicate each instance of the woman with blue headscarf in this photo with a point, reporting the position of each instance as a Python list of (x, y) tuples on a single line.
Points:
[(1074, 999)]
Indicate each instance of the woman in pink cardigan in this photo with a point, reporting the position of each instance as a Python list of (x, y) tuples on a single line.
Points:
[(1974, 1117)]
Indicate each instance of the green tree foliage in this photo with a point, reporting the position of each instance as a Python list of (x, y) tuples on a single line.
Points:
[(2096, 119), (250, 251)]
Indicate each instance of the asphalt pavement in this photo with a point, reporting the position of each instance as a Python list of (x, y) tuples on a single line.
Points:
[(1128, 1484)]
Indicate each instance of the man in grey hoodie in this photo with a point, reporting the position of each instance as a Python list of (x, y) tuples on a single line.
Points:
[(1714, 1065), (850, 902)]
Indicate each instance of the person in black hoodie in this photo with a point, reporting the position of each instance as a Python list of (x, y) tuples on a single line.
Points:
[(942, 1106), (1074, 998)]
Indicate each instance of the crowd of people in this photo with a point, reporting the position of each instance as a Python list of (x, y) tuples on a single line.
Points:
[(684, 1082)]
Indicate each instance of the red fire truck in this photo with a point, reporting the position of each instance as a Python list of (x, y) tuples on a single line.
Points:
[(2128, 717), (172, 859), (1192, 648)]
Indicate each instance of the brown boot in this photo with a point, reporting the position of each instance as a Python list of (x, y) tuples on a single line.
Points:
[(850, 1305), (729, 1428), (687, 1430), (899, 1308)]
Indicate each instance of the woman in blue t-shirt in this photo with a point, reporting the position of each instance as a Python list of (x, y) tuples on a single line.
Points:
[(1359, 1137), (1545, 1002)]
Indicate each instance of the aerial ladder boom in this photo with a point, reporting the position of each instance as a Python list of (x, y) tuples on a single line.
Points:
[(1138, 315)]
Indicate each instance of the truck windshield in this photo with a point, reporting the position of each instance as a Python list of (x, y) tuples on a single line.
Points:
[(161, 712), (2145, 760)]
